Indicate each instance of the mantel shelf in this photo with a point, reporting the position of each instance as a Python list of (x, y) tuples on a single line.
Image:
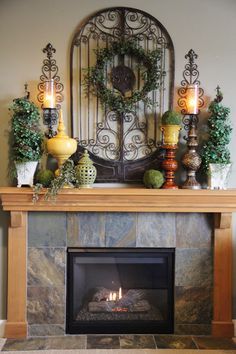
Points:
[(122, 200)]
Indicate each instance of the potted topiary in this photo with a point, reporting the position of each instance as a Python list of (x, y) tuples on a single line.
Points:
[(170, 126), (26, 139), (215, 153)]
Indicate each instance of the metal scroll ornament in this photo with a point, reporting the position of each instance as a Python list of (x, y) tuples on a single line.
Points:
[(191, 159), (50, 72), (112, 119)]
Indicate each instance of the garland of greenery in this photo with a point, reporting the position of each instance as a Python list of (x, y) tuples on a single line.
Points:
[(96, 80)]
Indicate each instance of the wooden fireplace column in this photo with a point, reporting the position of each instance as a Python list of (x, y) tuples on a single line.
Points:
[(19, 201), (16, 325)]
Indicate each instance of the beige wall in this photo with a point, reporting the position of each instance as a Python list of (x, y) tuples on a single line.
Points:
[(26, 26)]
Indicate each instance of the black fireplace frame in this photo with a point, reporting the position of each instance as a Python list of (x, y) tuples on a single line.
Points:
[(117, 327)]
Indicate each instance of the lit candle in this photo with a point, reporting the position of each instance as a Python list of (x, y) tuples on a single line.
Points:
[(120, 293), (192, 99), (110, 296), (114, 297), (49, 100)]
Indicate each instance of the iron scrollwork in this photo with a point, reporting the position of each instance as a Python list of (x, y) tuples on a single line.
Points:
[(120, 139), (190, 76)]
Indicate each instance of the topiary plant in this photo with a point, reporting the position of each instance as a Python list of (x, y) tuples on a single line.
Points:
[(153, 179), (215, 150), (26, 136), (171, 118)]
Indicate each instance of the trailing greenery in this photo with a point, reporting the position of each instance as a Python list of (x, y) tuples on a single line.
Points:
[(96, 78), (26, 136), (66, 177), (215, 150), (171, 118)]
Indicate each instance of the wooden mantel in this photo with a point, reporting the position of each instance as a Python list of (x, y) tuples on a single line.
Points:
[(18, 201), (122, 200)]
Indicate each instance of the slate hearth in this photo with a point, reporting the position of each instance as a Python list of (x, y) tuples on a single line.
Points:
[(49, 235), (121, 342)]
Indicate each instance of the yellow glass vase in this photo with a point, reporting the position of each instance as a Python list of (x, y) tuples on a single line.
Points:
[(61, 146)]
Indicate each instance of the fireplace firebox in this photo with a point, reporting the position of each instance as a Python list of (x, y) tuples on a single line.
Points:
[(120, 290)]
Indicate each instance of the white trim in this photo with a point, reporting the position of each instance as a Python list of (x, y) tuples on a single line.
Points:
[(2, 327), (234, 322)]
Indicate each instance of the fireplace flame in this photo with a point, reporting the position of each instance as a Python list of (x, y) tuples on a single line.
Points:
[(115, 295)]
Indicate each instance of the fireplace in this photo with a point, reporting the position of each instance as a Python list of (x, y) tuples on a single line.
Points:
[(138, 218), (120, 290)]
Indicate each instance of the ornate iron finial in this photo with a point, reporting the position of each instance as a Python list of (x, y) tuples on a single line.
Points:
[(191, 55), (49, 50), (27, 93), (219, 95)]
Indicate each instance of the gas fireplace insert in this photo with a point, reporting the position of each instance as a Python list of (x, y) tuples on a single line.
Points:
[(120, 290)]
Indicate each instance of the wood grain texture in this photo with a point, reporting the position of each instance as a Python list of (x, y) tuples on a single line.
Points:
[(16, 285), (15, 330), (122, 200), (222, 325)]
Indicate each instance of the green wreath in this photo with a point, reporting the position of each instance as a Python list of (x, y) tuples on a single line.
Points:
[(112, 98)]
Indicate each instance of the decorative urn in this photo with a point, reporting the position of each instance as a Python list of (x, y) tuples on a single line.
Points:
[(85, 171), (61, 146)]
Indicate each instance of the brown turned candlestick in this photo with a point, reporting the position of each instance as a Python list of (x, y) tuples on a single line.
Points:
[(170, 165)]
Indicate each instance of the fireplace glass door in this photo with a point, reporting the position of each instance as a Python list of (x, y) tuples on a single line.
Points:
[(120, 290)]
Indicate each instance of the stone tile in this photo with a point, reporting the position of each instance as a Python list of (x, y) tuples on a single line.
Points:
[(174, 342), (47, 229), (155, 230), (24, 344), (103, 342), (67, 342), (46, 305), (193, 305), (46, 330), (120, 229), (193, 267), (214, 343), (137, 341), (197, 329), (90, 229), (194, 230), (46, 267), (47, 343), (72, 229)]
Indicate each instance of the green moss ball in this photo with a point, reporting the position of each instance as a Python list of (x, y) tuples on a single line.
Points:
[(153, 179), (45, 177)]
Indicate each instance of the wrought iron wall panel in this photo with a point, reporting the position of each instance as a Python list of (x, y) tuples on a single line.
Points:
[(117, 141)]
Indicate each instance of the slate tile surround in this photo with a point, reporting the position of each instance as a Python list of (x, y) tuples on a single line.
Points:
[(49, 234)]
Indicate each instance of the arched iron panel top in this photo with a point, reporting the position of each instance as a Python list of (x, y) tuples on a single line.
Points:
[(108, 136)]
